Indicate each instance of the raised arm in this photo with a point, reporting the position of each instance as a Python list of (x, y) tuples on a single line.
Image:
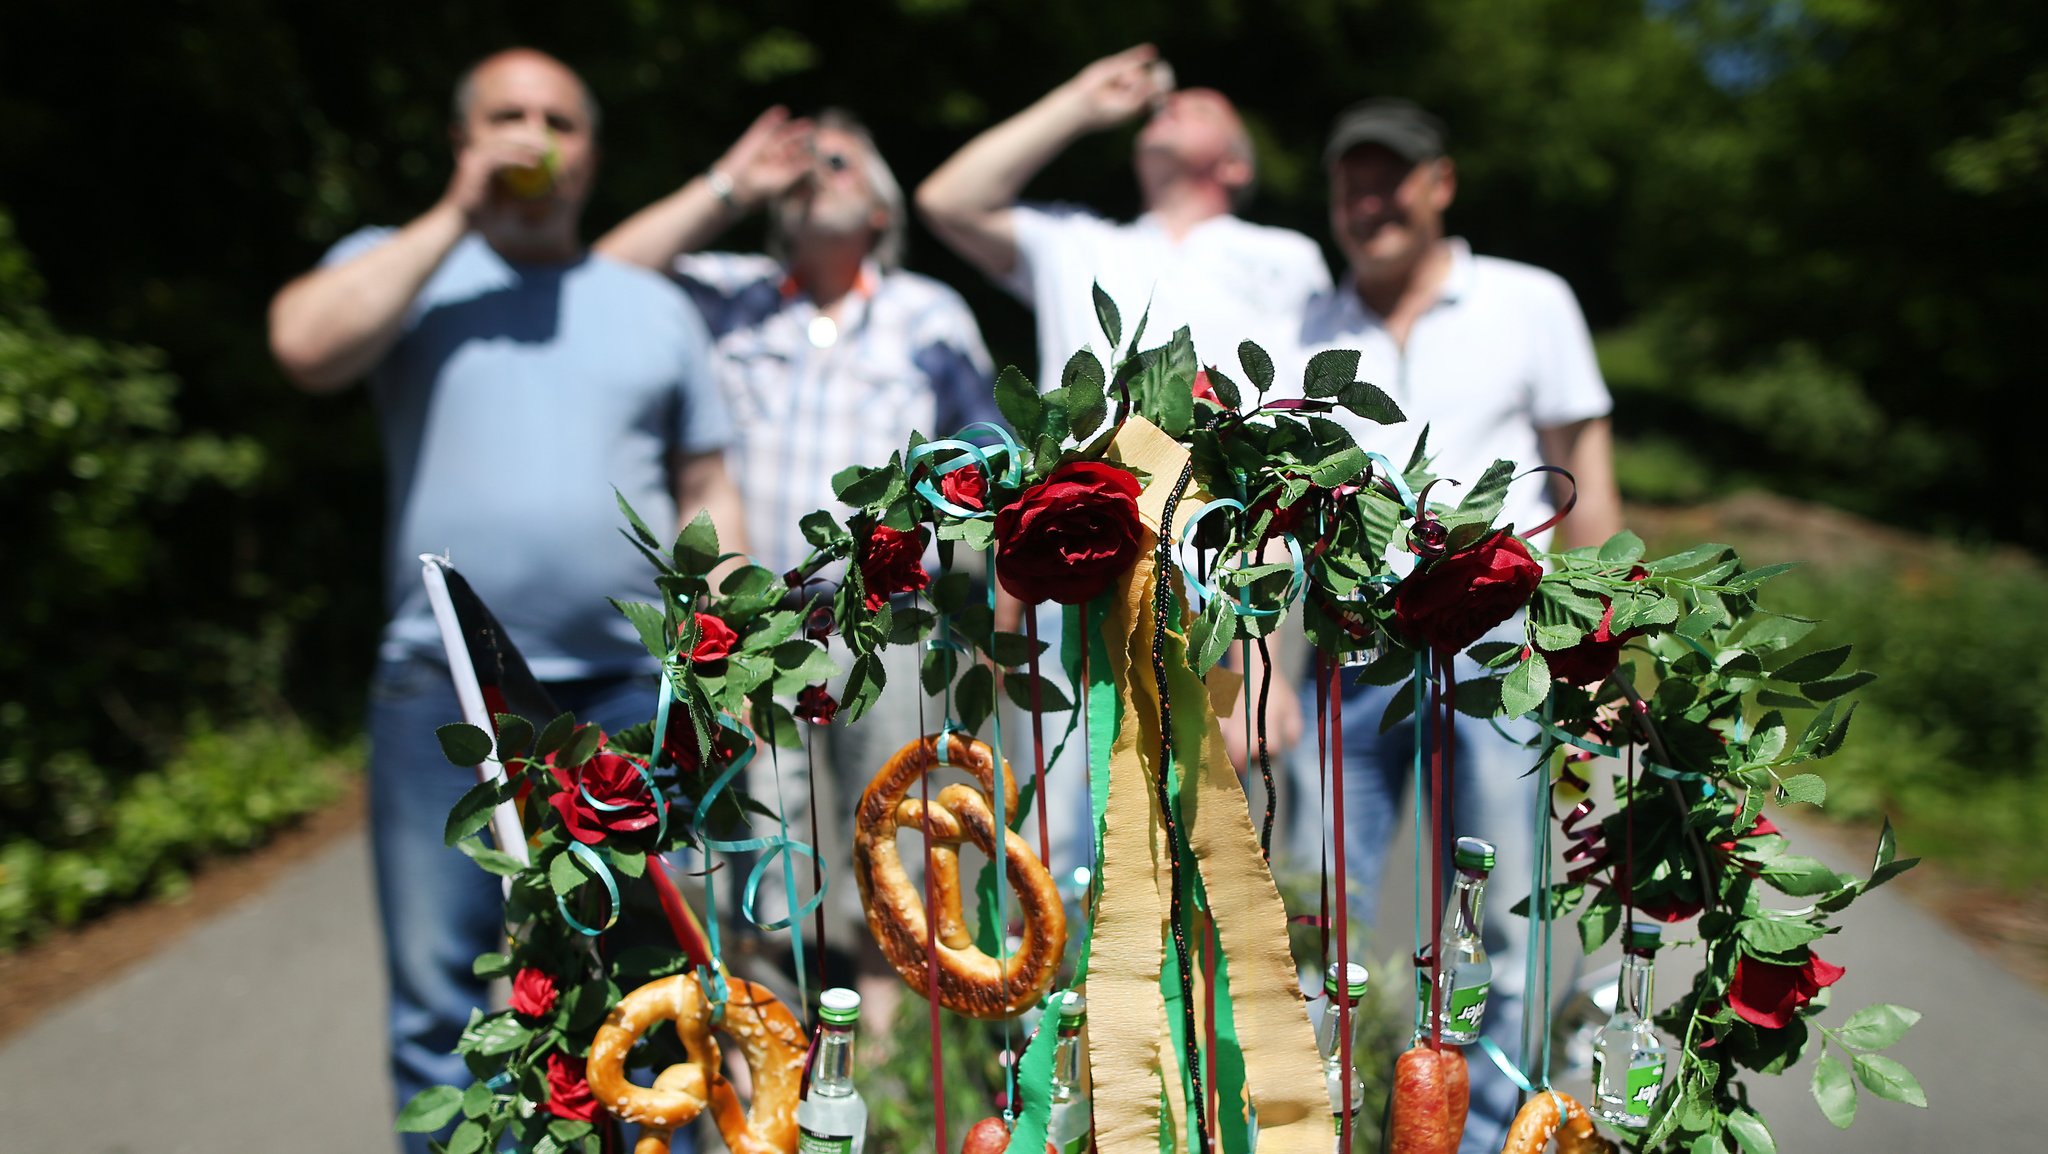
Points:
[(1585, 449), (331, 326), (967, 201), (772, 155)]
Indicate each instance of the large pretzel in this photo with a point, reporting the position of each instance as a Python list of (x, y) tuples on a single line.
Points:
[(769, 1038), (970, 982), (1551, 1113)]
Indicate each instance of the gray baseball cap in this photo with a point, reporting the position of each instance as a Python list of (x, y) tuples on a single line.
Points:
[(1400, 125)]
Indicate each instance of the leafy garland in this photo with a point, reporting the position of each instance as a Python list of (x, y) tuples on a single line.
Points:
[(1672, 655)]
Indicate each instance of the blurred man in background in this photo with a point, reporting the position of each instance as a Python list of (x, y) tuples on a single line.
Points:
[(1188, 258), (831, 355), (517, 381), (1494, 359)]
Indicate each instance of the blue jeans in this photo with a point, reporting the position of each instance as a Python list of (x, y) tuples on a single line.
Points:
[(1493, 797), (438, 910)]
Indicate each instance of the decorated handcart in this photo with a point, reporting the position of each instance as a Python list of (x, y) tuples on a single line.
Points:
[(1179, 517)]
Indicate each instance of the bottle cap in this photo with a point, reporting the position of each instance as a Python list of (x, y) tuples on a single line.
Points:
[(1474, 854), (839, 1006), (1643, 938), (1353, 980), (1073, 1009)]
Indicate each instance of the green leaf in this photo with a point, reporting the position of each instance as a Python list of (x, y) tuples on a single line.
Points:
[(1876, 1027), (862, 487), (1081, 385), (476, 1101), (464, 744), (1051, 698), (1598, 923), (1371, 402), (1744, 582), (1106, 316), (1834, 687), (471, 812), (581, 746), (822, 531), (1889, 1079), (429, 1110), (1525, 686), (553, 734), (626, 864), (1020, 403), (1329, 371), (1751, 1133), (1013, 649), (1807, 788), (491, 965), (697, 545), (1224, 387), (937, 669), (1485, 499), (1801, 876), (1777, 936), (1399, 706), (1812, 666), (1479, 697), (499, 1034), (1211, 635), (1257, 365), (863, 686), (974, 697), (515, 734), (1556, 637), (1833, 1090), (568, 1129), (467, 1139), (564, 874), (496, 861), (640, 528), (648, 622), (1692, 558), (1624, 548)]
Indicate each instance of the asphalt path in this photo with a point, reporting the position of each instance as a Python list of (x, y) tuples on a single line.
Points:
[(261, 1031)]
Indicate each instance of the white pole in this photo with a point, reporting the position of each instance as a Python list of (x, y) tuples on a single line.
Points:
[(505, 827)]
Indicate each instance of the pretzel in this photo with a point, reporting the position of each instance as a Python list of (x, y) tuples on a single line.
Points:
[(769, 1038), (1551, 1113), (970, 982)]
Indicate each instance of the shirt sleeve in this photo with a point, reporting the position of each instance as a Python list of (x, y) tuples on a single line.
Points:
[(703, 421), (1567, 386), (356, 244), (947, 348)]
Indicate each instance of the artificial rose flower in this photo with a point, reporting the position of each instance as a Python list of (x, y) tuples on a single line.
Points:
[(679, 742), (715, 639), (1204, 391), (1669, 909), (1590, 661), (1761, 828), (891, 562), (966, 487), (569, 1093), (1457, 600), (1771, 995), (815, 705), (1069, 536), (533, 993), (616, 782)]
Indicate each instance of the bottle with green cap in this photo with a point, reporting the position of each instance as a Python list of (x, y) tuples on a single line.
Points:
[(832, 1118), (1628, 1057), (1464, 975), (1072, 1120), (1341, 994)]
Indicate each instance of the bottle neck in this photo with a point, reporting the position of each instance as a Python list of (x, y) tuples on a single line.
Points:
[(1066, 1059), (1468, 905), (1329, 1034), (1635, 985), (832, 1074)]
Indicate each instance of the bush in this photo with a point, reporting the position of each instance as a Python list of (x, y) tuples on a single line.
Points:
[(222, 791)]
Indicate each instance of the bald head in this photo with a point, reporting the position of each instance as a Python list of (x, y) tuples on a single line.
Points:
[(525, 64)]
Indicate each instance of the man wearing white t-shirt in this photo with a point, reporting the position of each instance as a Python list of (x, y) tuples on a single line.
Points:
[(1188, 259), (1494, 358)]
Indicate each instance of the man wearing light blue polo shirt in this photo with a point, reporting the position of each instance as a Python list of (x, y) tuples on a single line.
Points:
[(518, 380)]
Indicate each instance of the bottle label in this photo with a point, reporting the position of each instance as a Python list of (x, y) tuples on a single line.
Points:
[(1467, 1007), (1643, 1083), (811, 1143), (1077, 1146)]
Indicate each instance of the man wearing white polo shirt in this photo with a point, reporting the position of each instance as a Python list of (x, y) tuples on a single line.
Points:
[(1188, 259), (1494, 358)]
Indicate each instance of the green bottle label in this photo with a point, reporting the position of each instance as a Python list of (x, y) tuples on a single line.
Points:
[(809, 1143), (1467, 1007), (1643, 1083), (1077, 1146)]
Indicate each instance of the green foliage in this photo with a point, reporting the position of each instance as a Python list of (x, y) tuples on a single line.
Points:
[(221, 791)]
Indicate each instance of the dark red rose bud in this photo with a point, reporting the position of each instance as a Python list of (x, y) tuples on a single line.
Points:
[(1428, 538), (966, 487), (892, 562), (815, 705)]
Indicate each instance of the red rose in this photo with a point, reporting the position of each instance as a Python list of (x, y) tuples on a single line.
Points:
[(1762, 828), (569, 1093), (715, 639), (1069, 536), (1771, 995), (1457, 600), (1590, 661), (533, 993), (891, 562), (1669, 909), (1204, 391), (966, 487), (680, 742), (815, 705), (625, 804)]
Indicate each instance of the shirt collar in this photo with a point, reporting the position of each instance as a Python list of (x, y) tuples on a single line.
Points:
[(1352, 314), (865, 284)]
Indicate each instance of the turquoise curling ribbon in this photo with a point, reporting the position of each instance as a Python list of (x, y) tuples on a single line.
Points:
[(1202, 592), (1400, 483), (981, 457), (660, 801), (595, 864)]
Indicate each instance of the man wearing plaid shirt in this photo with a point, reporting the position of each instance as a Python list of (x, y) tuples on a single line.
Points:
[(830, 355)]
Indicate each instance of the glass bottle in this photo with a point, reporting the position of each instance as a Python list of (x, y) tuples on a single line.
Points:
[(1072, 1120), (1464, 975), (1628, 1057), (832, 1119), (1350, 988)]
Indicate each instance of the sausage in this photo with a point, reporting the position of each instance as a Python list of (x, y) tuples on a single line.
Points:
[(1431, 1094)]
